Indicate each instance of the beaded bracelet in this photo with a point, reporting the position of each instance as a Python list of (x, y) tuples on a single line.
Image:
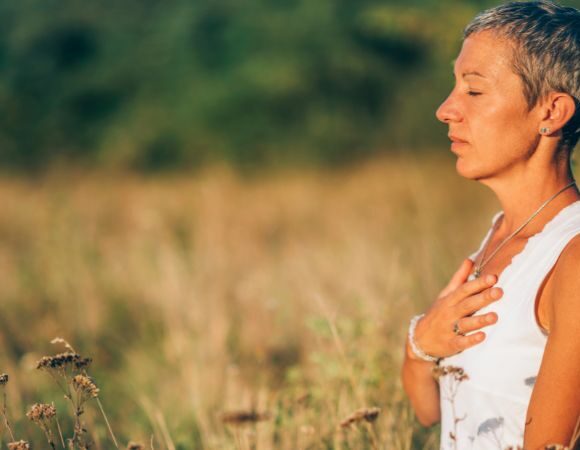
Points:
[(414, 347)]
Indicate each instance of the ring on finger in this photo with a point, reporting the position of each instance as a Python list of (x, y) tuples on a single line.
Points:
[(456, 329)]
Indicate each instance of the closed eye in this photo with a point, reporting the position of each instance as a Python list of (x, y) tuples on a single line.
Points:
[(473, 93)]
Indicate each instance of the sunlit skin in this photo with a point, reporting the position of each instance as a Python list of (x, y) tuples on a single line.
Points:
[(505, 151)]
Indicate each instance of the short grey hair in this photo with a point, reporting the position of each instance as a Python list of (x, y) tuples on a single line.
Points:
[(546, 40)]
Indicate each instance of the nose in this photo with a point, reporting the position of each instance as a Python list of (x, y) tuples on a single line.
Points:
[(448, 111)]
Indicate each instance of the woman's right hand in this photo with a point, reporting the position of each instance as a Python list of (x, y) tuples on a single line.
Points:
[(458, 301)]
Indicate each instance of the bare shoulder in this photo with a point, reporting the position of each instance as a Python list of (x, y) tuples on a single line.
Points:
[(566, 268), (563, 291), (552, 413)]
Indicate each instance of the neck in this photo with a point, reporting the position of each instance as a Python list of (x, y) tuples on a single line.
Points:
[(525, 189)]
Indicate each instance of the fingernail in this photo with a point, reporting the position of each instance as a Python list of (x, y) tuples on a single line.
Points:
[(490, 278), (496, 292)]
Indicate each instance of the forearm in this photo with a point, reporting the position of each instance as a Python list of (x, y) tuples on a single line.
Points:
[(421, 387)]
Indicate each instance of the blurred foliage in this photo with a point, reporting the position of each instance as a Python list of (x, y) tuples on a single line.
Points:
[(152, 85), (212, 293)]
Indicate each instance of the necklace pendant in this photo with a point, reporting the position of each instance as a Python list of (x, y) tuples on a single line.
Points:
[(477, 273)]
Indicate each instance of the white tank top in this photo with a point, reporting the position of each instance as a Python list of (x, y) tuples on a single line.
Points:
[(488, 410)]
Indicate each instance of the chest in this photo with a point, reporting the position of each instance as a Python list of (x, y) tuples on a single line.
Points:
[(503, 259)]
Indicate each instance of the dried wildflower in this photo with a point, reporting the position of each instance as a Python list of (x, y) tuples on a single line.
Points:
[(61, 367), (41, 411), (19, 445), (240, 417), (457, 372), (85, 390), (3, 382), (68, 369), (63, 361), (450, 378), (366, 414), (42, 414), (85, 385), (135, 446)]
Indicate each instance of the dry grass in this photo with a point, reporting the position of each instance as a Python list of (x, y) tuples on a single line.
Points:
[(284, 298)]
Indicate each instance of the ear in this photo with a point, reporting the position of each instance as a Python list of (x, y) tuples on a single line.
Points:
[(557, 109)]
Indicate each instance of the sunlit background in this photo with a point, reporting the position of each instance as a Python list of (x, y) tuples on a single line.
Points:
[(233, 207)]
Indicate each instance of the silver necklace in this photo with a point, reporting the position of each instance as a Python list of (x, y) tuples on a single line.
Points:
[(478, 269)]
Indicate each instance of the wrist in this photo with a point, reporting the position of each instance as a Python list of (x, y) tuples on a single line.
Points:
[(410, 354), (414, 351)]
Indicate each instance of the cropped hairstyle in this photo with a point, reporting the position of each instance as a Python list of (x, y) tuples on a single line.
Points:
[(546, 51)]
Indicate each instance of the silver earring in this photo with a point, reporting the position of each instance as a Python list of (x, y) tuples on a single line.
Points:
[(544, 130)]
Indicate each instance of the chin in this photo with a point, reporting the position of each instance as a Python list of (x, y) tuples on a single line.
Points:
[(473, 173), (462, 168)]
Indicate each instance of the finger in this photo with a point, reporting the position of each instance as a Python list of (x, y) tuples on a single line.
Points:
[(473, 287), (460, 343), (459, 277), (476, 302), (469, 324)]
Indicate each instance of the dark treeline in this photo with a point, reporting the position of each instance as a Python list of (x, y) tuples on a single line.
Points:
[(150, 84)]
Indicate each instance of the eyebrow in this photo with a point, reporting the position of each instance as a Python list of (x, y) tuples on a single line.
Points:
[(473, 73), (465, 74)]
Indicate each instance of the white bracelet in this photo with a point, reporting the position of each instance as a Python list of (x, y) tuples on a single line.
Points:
[(414, 347)]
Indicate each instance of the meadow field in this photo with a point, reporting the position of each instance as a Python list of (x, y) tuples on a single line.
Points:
[(230, 312)]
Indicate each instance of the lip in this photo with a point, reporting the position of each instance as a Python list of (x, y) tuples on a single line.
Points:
[(457, 146), (456, 140)]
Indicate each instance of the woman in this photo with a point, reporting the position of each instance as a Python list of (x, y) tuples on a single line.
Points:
[(514, 119)]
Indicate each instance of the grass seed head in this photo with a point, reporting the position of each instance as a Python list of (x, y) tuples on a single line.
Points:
[(366, 414), (3, 379), (59, 340)]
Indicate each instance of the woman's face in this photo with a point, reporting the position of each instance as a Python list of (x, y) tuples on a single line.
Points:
[(487, 112)]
